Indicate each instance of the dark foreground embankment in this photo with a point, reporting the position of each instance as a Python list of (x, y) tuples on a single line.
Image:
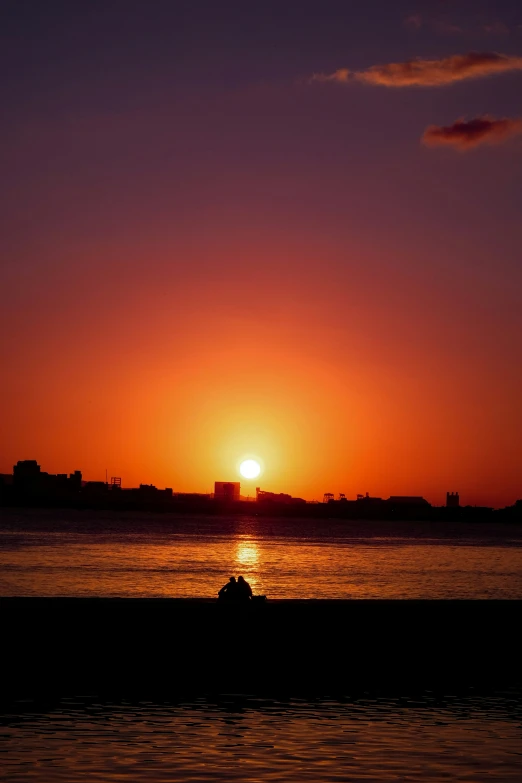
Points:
[(168, 647)]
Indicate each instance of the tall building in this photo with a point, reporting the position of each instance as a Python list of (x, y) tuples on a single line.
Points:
[(452, 500), (227, 490)]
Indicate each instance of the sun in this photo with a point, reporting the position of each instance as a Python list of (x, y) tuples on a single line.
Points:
[(250, 469)]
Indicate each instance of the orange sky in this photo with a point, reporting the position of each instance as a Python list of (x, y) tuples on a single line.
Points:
[(206, 255), (172, 385)]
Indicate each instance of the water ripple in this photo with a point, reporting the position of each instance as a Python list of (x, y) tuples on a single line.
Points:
[(424, 738)]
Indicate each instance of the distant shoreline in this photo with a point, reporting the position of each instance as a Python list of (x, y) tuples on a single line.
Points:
[(99, 520), (351, 511)]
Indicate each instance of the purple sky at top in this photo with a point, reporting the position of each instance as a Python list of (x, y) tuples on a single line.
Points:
[(148, 93)]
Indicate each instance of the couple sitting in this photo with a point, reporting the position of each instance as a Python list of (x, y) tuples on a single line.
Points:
[(234, 590)]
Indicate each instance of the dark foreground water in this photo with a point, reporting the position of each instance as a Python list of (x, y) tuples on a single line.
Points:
[(456, 738), (72, 553), (463, 735)]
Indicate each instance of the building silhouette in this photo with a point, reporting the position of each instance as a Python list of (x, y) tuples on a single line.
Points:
[(408, 500), (28, 476), (228, 491), (26, 470), (273, 497), (452, 500)]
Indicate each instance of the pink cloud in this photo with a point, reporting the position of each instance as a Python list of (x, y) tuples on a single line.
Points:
[(467, 134), (428, 73), (435, 73), (342, 75)]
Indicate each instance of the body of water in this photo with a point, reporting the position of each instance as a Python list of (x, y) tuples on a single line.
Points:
[(85, 554), (468, 737), (456, 738)]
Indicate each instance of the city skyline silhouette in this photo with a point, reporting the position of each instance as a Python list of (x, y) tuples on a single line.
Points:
[(29, 485)]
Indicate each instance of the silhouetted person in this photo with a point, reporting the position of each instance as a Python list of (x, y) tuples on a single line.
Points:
[(244, 591), (229, 591)]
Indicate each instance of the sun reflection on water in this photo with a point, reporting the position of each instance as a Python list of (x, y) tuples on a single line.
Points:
[(247, 558), (137, 561), (247, 553)]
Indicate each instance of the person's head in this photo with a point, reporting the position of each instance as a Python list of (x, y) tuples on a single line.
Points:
[(240, 579), (233, 579)]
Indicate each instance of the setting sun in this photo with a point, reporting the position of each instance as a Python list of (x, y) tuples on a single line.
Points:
[(250, 469)]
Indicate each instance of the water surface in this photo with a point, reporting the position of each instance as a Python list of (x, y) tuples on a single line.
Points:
[(86, 554), (458, 738)]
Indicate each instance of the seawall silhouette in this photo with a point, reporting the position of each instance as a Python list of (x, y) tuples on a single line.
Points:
[(168, 647)]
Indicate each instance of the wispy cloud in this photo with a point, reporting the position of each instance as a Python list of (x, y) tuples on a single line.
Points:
[(445, 24), (496, 28), (444, 27), (428, 73), (435, 73), (417, 21), (467, 134), (342, 76), (413, 20)]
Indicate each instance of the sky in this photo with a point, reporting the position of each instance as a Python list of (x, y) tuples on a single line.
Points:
[(252, 228)]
